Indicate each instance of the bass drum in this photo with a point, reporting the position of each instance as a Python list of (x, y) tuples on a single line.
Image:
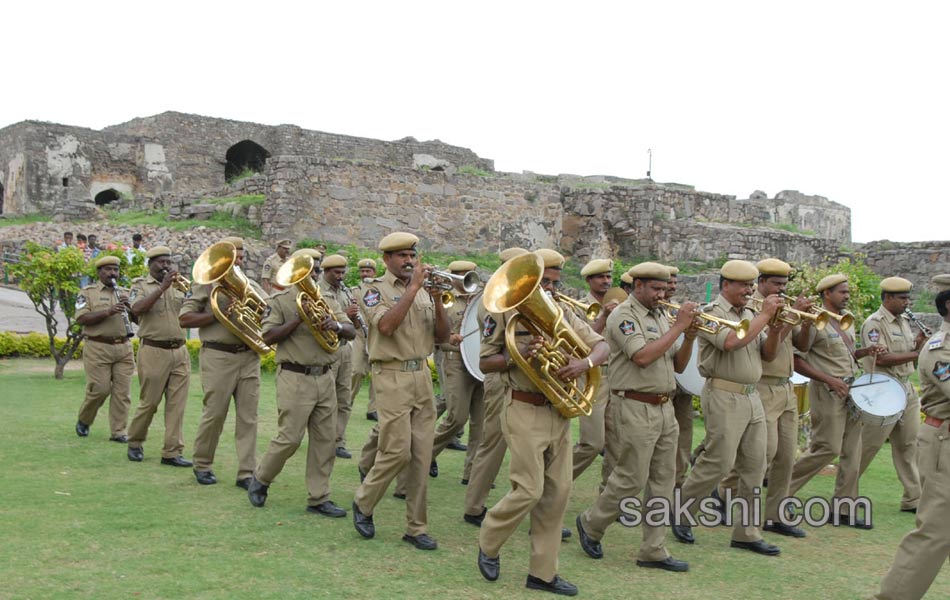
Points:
[(877, 400), (471, 337), (690, 379)]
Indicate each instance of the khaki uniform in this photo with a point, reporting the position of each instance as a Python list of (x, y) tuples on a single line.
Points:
[(342, 366), (591, 435), (684, 411), (924, 550), (164, 366), (648, 432), (405, 401), (540, 469), (306, 402), (109, 366), (464, 395), (270, 268), (361, 356), (231, 370), (735, 419), (490, 453), (897, 334), (835, 433)]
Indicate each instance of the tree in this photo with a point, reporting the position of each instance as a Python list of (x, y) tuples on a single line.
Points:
[(863, 282)]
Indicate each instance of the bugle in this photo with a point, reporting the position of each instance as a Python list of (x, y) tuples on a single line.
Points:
[(707, 322), (591, 311), (451, 284), (180, 282), (845, 322), (791, 315)]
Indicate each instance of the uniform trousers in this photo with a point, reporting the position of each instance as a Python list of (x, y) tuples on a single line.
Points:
[(406, 427), (342, 371), (903, 436), (683, 408), (591, 438), (835, 434), (647, 463), (465, 402), (109, 369), (491, 450), (305, 403), (224, 375), (360, 370), (924, 550), (540, 471), (735, 437), (162, 372)]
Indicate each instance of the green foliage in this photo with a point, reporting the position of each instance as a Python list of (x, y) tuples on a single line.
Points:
[(473, 170), (244, 174), (863, 283), (48, 276), (791, 228), (219, 220), (924, 302), (25, 219), (31, 345), (127, 271), (247, 200)]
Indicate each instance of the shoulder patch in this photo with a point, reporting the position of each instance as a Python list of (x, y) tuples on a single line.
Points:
[(371, 297), (133, 294), (936, 341), (942, 370), (488, 326), (627, 327), (80, 302), (874, 335)]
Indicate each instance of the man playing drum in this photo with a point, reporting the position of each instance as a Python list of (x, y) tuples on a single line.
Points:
[(888, 327)]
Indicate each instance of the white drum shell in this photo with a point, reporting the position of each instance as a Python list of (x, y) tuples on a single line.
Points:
[(879, 404), (690, 379), (472, 342)]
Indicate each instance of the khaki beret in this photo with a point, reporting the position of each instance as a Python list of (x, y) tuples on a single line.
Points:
[(896, 285), (158, 251), (830, 281), (674, 270), (333, 261), (236, 241), (312, 252), (462, 266), (649, 270), (366, 263), (739, 270), (398, 240), (598, 266), (552, 259), (773, 266), (108, 260), (509, 253), (942, 282), (626, 278), (285, 244)]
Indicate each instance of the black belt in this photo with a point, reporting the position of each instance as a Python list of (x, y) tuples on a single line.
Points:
[(232, 348), (529, 397), (166, 344), (102, 339), (305, 369), (649, 398)]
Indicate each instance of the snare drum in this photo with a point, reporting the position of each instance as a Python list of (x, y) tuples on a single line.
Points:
[(690, 379), (879, 401)]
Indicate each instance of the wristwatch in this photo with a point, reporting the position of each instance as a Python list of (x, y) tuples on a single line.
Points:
[(590, 363)]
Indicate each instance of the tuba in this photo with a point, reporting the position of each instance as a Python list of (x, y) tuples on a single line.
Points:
[(311, 306), (517, 285), (243, 314)]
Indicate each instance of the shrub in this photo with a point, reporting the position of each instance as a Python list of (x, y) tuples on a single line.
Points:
[(863, 283)]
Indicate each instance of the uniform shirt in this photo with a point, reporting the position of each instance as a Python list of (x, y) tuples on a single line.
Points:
[(300, 346), (784, 363), (829, 353), (456, 312), (630, 327), (493, 341), (96, 297), (198, 302), (340, 296), (414, 339), (271, 265), (160, 323), (892, 331), (740, 366), (934, 373)]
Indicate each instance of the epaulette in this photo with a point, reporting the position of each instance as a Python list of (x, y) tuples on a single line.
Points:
[(936, 341), (137, 279), (874, 316)]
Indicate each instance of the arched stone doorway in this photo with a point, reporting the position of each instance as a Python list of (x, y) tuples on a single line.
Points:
[(106, 197), (244, 156)]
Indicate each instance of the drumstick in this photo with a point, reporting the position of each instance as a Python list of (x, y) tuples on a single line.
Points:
[(873, 365), (476, 330)]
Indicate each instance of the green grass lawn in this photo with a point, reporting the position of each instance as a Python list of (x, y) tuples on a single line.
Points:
[(80, 520)]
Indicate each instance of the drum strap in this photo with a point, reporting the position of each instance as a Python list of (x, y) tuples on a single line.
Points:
[(847, 340)]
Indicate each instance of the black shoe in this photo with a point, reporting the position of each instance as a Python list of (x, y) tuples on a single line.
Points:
[(555, 586), (590, 546), (362, 474), (243, 483), (82, 430), (327, 509), (667, 564), (205, 477), (136, 454), (120, 439), (363, 523), (433, 468), (683, 533), (399, 495), (565, 534), (178, 461), (465, 482), (855, 522), (455, 444), (343, 453), (256, 492), (489, 567), (758, 546), (421, 541), (910, 510), (372, 416), (476, 520), (783, 529)]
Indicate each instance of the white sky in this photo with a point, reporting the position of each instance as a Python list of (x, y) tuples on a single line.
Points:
[(848, 100)]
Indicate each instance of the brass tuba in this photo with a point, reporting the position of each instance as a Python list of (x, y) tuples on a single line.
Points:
[(243, 314), (517, 285), (311, 306)]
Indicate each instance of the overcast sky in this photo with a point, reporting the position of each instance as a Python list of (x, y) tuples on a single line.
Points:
[(847, 100)]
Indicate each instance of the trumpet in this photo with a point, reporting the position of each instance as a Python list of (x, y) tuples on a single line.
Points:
[(920, 324), (591, 311), (451, 284), (790, 315), (180, 282), (708, 323), (845, 322)]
